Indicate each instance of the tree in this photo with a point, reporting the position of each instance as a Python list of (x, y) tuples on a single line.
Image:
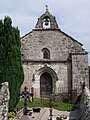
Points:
[(10, 59)]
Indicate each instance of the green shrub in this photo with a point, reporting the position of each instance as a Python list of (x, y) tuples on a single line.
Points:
[(11, 114)]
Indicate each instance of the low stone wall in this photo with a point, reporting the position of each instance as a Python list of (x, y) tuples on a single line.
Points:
[(4, 101), (85, 105)]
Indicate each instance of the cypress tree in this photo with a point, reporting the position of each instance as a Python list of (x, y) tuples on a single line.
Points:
[(2, 53), (10, 58)]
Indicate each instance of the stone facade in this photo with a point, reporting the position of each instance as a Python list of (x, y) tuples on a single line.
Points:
[(46, 50), (4, 101), (85, 105)]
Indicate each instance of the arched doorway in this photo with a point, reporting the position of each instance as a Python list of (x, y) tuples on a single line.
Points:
[(45, 85)]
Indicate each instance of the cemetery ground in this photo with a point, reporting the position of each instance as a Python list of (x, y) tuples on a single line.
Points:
[(58, 109), (37, 102)]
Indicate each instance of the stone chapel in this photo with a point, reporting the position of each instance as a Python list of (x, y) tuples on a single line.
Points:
[(53, 62)]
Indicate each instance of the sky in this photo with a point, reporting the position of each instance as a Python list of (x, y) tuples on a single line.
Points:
[(73, 16)]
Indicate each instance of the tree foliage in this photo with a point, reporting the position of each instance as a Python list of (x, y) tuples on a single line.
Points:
[(10, 59)]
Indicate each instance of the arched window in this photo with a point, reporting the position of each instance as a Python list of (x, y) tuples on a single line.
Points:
[(46, 53)]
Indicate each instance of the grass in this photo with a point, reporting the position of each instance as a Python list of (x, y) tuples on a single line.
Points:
[(45, 103), (36, 103), (64, 106)]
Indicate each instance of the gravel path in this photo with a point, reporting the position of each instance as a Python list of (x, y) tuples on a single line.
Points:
[(44, 114)]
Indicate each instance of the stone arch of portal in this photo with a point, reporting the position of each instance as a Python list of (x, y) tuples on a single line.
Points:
[(45, 81)]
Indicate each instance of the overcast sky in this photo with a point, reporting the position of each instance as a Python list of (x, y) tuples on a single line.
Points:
[(73, 16)]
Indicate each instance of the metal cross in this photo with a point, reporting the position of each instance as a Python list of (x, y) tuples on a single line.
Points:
[(26, 95)]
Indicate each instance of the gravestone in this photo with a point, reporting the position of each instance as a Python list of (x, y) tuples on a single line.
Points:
[(4, 101)]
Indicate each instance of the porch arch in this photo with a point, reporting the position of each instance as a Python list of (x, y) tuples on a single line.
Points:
[(50, 72)]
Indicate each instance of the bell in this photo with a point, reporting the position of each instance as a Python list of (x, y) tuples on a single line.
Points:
[(46, 22)]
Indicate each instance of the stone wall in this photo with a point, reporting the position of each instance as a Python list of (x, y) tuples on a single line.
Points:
[(58, 43), (85, 105), (80, 71), (36, 70), (4, 100)]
